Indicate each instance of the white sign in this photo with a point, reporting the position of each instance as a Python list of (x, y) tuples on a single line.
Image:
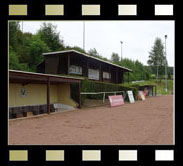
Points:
[(93, 74), (106, 75), (75, 70), (130, 96)]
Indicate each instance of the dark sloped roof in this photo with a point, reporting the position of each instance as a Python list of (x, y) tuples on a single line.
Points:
[(86, 55)]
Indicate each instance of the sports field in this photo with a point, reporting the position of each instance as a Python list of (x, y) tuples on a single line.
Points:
[(148, 122)]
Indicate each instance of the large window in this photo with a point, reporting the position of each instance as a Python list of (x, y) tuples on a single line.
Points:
[(75, 70), (93, 74)]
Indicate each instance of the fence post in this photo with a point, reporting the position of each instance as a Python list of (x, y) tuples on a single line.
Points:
[(124, 94), (103, 97)]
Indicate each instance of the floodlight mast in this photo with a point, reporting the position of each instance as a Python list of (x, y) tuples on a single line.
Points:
[(84, 35), (166, 89), (121, 49)]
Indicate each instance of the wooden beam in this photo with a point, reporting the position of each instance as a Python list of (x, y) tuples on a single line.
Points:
[(110, 80), (68, 64), (100, 73), (48, 95), (116, 75), (128, 78), (64, 80), (87, 67), (122, 77)]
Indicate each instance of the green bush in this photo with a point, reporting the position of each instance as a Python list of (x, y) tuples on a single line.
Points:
[(93, 86)]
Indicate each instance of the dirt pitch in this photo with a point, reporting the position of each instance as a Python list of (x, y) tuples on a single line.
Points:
[(148, 122)]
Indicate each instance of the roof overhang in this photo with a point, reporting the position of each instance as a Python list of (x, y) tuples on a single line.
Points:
[(16, 76), (86, 55)]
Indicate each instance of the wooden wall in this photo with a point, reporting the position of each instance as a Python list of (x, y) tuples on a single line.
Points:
[(58, 64), (51, 64)]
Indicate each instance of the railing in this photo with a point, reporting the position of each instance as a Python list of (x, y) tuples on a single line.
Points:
[(124, 94), (133, 82)]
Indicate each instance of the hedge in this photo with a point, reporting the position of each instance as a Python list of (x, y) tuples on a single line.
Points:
[(94, 86)]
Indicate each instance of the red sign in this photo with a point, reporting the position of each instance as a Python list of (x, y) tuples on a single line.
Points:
[(116, 100), (144, 92)]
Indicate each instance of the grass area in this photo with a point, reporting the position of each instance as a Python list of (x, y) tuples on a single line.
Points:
[(160, 85)]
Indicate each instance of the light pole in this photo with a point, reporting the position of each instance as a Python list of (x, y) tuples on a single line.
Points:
[(83, 35), (121, 49), (22, 27), (22, 33), (166, 89)]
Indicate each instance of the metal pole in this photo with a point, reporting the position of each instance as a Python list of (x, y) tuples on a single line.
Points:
[(22, 34), (83, 35), (121, 49), (165, 67)]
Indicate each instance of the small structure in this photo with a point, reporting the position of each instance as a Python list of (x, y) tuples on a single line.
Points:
[(71, 62), (38, 93), (150, 90)]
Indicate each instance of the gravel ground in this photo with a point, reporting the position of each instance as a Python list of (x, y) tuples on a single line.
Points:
[(148, 122)]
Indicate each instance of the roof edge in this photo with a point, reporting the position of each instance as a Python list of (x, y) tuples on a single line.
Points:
[(46, 75)]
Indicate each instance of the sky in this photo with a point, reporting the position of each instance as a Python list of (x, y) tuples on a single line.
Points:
[(138, 37)]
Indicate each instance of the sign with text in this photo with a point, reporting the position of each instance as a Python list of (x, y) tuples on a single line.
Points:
[(130, 96), (75, 70), (106, 75), (116, 100), (93, 74)]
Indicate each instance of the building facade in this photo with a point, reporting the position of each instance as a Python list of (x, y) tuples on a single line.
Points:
[(39, 93), (72, 62)]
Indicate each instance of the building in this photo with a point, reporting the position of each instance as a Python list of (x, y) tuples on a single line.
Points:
[(71, 62), (38, 93), (150, 90)]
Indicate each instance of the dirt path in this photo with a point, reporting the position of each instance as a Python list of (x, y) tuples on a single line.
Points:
[(142, 123)]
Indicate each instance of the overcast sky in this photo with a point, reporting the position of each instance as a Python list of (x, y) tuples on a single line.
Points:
[(138, 36)]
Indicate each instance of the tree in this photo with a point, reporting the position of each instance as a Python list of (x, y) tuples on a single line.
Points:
[(75, 48), (49, 35), (14, 63), (115, 58), (14, 29), (13, 59), (34, 48), (157, 59), (139, 71), (93, 52)]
